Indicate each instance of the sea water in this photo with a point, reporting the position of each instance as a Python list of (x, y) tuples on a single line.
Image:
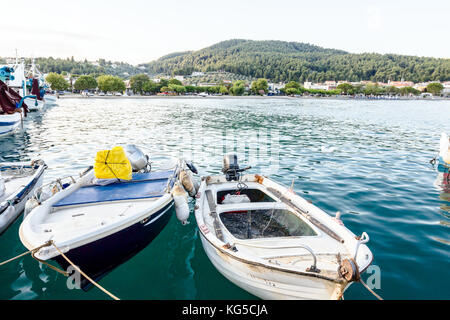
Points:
[(367, 159)]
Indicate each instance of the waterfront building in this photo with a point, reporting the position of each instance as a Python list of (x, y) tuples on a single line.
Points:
[(400, 84), (206, 84), (179, 78), (331, 85)]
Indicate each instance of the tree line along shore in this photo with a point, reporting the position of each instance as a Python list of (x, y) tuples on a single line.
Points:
[(141, 84)]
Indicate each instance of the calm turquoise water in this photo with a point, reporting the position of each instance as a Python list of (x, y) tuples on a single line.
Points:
[(367, 159)]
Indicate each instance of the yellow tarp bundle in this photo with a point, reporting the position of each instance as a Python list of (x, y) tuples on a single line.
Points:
[(110, 164)]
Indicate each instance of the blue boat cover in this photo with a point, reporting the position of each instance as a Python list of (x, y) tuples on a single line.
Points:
[(142, 185)]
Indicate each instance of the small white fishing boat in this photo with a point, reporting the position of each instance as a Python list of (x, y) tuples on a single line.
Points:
[(34, 104), (12, 109), (271, 242), (18, 181), (444, 153), (99, 222), (50, 99), (9, 122)]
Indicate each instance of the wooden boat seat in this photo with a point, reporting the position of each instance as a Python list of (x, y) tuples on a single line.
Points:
[(142, 185)]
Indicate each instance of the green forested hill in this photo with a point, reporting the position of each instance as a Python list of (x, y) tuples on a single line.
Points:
[(285, 61), (69, 65)]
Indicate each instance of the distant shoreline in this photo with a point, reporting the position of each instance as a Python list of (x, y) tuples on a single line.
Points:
[(79, 96)]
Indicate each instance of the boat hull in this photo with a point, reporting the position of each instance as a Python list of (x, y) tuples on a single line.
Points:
[(8, 217), (9, 122), (31, 104), (270, 284), (443, 166), (99, 257), (50, 100)]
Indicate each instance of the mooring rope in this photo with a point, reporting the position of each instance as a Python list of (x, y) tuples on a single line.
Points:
[(25, 253), (341, 295), (370, 290), (51, 243), (84, 274)]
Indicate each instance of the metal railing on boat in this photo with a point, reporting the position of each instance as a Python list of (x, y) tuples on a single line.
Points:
[(313, 267)]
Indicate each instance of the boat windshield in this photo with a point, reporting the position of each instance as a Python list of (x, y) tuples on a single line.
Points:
[(265, 223)]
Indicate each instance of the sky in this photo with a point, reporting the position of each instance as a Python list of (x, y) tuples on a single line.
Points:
[(136, 31)]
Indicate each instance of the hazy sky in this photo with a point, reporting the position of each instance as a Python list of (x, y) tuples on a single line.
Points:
[(140, 31)]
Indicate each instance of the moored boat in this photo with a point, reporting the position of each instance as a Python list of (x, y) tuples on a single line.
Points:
[(12, 109), (9, 122), (50, 99), (444, 154), (271, 242), (100, 222), (18, 181), (34, 104), (25, 82)]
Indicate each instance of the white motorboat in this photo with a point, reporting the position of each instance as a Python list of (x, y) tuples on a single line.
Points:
[(273, 243), (100, 223), (18, 181)]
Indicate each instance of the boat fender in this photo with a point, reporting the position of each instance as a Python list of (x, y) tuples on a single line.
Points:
[(349, 270), (29, 206), (188, 183), (181, 204)]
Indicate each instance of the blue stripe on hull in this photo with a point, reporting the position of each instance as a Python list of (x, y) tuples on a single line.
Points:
[(98, 258), (11, 123)]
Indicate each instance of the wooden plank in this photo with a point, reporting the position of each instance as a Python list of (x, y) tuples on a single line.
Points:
[(212, 208)]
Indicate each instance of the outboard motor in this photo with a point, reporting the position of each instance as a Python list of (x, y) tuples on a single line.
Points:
[(137, 158), (231, 167)]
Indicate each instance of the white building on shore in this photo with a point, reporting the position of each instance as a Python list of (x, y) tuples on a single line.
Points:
[(317, 86)]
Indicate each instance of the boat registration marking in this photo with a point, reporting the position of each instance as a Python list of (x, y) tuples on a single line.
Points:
[(204, 228), (267, 282)]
